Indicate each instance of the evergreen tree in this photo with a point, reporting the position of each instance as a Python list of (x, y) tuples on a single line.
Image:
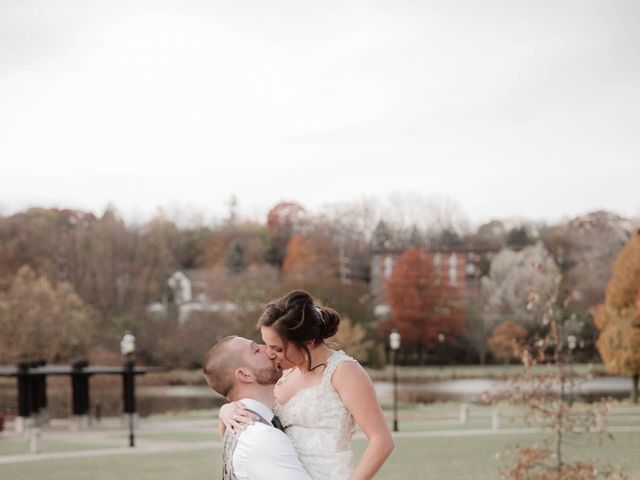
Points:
[(235, 260), (518, 238), (382, 237), (415, 237)]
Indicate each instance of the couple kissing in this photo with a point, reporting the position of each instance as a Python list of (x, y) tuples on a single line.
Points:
[(294, 400)]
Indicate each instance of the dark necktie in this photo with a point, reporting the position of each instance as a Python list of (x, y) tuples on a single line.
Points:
[(277, 423)]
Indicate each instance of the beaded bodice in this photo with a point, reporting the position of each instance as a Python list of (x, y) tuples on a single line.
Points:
[(320, 426)]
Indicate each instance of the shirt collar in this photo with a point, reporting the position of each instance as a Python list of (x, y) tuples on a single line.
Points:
[(258, 407)]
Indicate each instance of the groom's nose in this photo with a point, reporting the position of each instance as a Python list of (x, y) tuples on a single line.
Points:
[(269, 353)]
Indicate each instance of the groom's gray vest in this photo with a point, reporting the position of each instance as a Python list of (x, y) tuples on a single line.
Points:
[(229, 446)]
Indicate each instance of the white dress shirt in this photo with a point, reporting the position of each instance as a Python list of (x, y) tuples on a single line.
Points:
[(265, 453)]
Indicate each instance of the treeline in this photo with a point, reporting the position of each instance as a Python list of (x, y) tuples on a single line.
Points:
[(72, 282)]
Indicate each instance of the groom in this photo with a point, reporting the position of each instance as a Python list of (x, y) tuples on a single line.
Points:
[(239, 369)]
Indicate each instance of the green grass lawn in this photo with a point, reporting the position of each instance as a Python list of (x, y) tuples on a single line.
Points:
[(22, 446), (474, 458), (422, 456), (179, 436), (460, 458)]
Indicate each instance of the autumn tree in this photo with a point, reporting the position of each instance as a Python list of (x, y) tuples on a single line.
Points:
[(44, 239), (513, 278), (352, 337), (38, 319), (618, 319), (476, 328), (350, 227), (222, 240), (586, 248), (549, 404), (507, 340), (422, 306), (252, 288), (301, 255), (283, 220), (350, 301), (310, 257), (490, 235), (431, 214)]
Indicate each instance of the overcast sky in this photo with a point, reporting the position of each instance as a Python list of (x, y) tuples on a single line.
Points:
[(510, 108)]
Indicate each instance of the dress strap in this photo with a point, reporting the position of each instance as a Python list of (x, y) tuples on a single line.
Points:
[(332, 363)]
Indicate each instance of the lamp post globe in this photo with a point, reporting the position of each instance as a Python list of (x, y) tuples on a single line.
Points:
[(394, 340), (128, 344)]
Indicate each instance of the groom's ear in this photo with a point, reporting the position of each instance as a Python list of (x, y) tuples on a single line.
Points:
[(244, 375)]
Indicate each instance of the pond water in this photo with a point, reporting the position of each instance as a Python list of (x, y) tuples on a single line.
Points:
[(473, 390), (180, 398)]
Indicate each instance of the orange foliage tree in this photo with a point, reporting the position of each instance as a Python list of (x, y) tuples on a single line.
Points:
[(301, 255), (618, 319), (422, 304), (507, 340), (309, 257), (41, 320), (283, 220)]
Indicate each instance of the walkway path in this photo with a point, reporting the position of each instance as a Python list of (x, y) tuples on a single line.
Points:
[(111, 440)]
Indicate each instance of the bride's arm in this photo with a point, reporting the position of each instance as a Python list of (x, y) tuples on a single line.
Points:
[(356, 391), (234, 416)]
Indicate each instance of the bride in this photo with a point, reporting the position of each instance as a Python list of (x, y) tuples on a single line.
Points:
[(322, 393)]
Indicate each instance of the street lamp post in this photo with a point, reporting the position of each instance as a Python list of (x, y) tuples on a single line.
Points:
[(128, 348), (441, 339), (572, 343), (394, 343)]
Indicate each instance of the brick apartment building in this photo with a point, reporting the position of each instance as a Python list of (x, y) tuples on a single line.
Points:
[(461, 267)]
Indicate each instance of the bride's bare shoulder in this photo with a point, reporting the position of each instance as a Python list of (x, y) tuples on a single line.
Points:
[(350, 371)]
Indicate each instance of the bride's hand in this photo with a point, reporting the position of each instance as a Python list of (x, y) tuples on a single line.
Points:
[(235, 416)]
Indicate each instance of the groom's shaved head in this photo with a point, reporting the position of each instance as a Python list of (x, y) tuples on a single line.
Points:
[(220, 363), (225, 359)]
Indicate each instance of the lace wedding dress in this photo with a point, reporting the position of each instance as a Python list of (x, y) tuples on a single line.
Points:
[(320, 426)]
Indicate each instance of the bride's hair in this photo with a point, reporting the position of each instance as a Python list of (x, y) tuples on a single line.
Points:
[(297, 319)]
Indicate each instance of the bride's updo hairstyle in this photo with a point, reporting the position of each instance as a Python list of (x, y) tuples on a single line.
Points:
[(298, 320)]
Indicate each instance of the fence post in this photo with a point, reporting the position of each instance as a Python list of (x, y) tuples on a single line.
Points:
[(24, 398), (36, 437), (40, 394), (464, 413), (599, 419), (80, 396), (495, 419)]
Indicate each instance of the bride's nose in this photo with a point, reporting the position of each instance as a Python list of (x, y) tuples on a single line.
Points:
[(270, 353)]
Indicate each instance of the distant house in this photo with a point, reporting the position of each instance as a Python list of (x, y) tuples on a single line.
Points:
[(180, 284), (191, 291)]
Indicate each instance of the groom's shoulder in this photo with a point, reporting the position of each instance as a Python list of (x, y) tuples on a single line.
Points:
[(262, 438), (259, 431)]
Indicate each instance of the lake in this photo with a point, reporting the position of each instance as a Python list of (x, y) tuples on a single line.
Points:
[(153, 399)]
